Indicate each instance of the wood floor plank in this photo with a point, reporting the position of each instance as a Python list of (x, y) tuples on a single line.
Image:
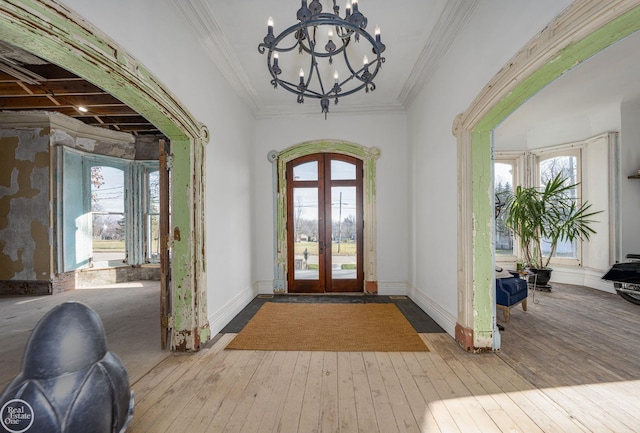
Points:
[(329, 419), (540, 408), (447, 395), (292, 409), (217, 421), (419, 407), (310, 414), (443, 419), (209, 394), (365, 409), (627, 401), (161, 403), (500, 406), (404, 416), (257, 382), (382, 406), (460, 391), (275, 407), (265, 400), (347, 411)]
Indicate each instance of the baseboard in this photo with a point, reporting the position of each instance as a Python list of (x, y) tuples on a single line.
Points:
[(582, 277), (435, 311), (387, 288), (264, 287), (390, 288), (219, 319)]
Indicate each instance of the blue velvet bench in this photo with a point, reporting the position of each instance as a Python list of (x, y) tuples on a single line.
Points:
[(510, 292)]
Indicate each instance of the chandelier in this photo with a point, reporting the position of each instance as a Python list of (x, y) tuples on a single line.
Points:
[(320, 38)]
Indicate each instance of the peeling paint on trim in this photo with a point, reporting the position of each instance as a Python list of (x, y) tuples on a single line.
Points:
[(368, 157), (50, 30), (579, 32)]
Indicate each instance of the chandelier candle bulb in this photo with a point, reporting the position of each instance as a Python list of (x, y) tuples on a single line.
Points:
[(365, 61), (270, 25), (354, 5), (347, 8), (336, 77), (301, 76)]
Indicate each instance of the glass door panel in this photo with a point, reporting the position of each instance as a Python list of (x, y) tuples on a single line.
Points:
[(341, 170), (305, 236), (344, 245), (324, 224), (306, 172)]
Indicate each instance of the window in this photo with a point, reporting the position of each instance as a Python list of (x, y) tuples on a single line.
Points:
[(591, 163), (108, 221), (503, 188), (152, 217), (568, 165), (109, 212)]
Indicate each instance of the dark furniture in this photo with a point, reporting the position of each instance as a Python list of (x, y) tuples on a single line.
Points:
[(510, 292)]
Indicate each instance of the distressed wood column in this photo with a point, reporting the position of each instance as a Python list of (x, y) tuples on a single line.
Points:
[(52, 31)]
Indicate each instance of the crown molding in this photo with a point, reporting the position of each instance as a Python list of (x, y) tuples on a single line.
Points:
[(306, 110), (202, 21), (452, 20)]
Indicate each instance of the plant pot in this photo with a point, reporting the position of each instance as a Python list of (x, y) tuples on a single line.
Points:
[(540, 278)]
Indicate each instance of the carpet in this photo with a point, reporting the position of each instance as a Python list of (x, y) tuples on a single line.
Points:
[(329, 327)]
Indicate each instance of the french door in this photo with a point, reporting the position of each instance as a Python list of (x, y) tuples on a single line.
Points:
[(324, 224)]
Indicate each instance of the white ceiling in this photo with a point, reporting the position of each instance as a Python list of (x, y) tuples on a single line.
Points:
[(417, 34), (587, 96)]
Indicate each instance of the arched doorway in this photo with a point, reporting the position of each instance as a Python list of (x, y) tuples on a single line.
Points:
[(52, 32), (582, 30), (351, 153), (324, 224)]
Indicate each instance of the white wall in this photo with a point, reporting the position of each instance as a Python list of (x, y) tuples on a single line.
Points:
[(384, 130), (498, 29), (155, 33), (630, 188)]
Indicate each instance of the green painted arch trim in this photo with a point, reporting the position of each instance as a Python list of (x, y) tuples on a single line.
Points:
[(328, 146), (481, 144), (368, 155), (568, 58), (50, 30)]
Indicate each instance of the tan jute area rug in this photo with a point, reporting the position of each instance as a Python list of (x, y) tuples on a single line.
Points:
[(329, 327)]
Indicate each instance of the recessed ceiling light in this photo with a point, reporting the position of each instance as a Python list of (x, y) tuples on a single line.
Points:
[(82, 109)]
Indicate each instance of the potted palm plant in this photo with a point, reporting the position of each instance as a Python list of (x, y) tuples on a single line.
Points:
[(547, 215)]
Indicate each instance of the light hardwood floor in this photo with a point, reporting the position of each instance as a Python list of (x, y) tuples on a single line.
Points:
[(569, 364)]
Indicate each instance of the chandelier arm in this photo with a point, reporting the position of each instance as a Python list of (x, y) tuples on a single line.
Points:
[(293, 88), (323, 19), (315, 66)]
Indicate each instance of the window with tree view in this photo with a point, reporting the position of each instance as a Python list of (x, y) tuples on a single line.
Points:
[(107, 215), (503, 188), (152, 220), (568, 166)]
